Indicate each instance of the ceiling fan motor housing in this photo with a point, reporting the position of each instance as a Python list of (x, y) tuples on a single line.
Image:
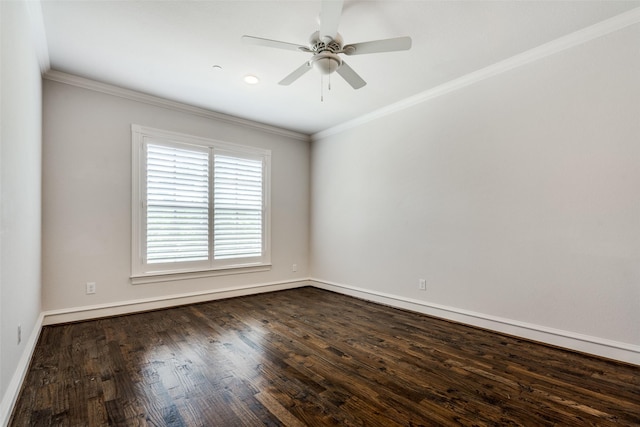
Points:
[(325, 43), (326, 59)]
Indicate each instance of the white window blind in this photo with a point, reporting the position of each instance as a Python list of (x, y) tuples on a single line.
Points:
[(198, 205), (237, 207), (177, 204)]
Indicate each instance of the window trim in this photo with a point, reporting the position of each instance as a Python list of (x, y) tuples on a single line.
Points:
[(145, 273)]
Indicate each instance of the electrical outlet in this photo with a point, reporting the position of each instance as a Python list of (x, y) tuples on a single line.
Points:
[(422, 284), (294, 267), (19, 334), (91, 288)]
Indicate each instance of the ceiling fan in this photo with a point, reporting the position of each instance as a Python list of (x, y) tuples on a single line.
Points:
[(325, 45)]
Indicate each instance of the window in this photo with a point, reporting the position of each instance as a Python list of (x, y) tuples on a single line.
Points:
[(199, 206)]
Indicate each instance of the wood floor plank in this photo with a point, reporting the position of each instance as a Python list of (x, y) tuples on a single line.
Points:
[(312, 357)]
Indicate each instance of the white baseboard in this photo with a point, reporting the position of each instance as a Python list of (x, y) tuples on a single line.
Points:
[(13, 390), (76, 314), (615, 350)]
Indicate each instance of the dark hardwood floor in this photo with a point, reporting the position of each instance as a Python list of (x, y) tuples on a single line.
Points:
[(308, 357)]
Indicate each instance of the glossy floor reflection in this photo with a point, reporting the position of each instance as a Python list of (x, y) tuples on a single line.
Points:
[(312, 357)]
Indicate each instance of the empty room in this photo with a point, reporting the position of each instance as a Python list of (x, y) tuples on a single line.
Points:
[(322, 212)]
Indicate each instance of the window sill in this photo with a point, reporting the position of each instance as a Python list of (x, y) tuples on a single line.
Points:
[(170, 276)]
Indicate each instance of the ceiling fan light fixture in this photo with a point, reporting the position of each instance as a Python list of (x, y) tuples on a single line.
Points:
[(327, 62)]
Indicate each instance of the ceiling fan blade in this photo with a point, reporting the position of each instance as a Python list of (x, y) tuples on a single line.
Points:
[(296, 74), (274, 43), (350, 76), (330, 17), (376, 46)]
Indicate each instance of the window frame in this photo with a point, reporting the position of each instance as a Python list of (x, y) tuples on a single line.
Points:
[(143, 272)]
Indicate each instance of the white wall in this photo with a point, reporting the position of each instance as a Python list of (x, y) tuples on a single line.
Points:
[(20, 194), (516, 198), (87, 198)]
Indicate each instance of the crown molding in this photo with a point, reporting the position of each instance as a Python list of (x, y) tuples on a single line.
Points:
[(38, 34), (73, 80), (576, 38)]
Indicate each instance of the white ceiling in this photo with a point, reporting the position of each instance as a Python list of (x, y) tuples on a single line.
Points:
[(169, 48)]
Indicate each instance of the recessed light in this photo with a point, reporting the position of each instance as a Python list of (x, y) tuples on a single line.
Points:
[(217, 67), (251, 79)]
